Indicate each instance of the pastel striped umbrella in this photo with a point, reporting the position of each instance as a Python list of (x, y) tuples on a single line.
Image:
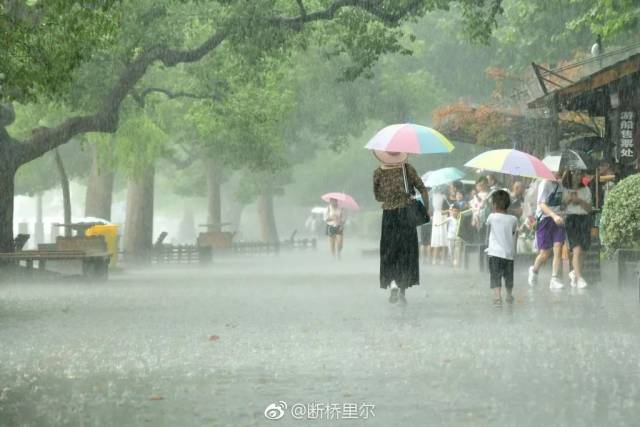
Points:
[(511, 162), (410, 138), (442, 176)]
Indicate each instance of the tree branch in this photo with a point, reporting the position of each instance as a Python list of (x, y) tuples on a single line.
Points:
[(303, 11), (140, 97), (374, 7), (106, 119)]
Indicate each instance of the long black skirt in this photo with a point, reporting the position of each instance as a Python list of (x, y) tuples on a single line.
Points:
[(399, 252)]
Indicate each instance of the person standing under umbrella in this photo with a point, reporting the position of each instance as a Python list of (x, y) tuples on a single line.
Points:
[(399, 252), (335, 217)]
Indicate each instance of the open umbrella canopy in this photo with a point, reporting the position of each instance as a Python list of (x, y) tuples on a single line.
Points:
[(410, 138), (511, 162), (442, 176), (344, 200), (566, 159), (91, 220)]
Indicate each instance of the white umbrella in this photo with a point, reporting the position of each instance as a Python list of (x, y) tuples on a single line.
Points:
[(567, 159), (91, 220)]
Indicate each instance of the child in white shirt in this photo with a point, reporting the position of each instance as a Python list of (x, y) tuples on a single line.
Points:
[(502, 245)]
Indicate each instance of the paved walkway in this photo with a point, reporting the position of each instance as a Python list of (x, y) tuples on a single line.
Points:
[(190, 347)]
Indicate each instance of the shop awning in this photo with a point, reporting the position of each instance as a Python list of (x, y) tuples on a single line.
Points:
[(587, 93)]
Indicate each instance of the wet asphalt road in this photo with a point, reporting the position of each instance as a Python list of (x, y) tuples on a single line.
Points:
[(190, 346)]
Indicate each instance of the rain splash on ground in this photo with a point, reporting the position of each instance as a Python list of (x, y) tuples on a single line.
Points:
[(187, 346)]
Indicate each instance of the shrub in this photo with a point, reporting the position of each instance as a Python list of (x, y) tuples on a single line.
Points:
[(620, 222)]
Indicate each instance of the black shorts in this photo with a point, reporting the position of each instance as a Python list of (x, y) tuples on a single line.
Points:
[(499, 268), (578, 229), (334, 230)]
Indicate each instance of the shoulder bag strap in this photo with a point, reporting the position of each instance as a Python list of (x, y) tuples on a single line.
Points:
[(404, 176)]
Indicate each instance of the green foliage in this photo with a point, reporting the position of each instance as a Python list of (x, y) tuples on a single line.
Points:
[(43, 42), (271, 103), (621, 215), (609, 18), (246, 129), (552, 31), (363, 40), (138, 142)]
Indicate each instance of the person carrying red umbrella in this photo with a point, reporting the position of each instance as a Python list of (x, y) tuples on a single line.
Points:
[(335, 216)]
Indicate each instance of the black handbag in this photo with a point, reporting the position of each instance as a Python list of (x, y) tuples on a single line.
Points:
[(416, 211)]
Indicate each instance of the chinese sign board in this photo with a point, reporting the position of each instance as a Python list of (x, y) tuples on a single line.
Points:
[(626, 148)]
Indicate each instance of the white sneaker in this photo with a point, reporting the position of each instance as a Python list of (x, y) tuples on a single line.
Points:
[(533, 277), (572, 277), (581, 283), (556, 283)]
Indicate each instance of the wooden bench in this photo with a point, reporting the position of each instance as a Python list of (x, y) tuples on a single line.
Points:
[(88, 244), (219, 240), (94, 265), (256, 247), (165, 253), (160, 240), (176, 254), (20, 241)]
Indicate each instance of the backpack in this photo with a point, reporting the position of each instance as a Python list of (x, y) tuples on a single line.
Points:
[(551, 201)]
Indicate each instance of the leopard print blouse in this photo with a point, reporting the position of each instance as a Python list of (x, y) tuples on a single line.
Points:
[(388, 186)]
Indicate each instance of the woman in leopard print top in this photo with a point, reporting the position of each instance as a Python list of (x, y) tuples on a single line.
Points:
[(399, 250)]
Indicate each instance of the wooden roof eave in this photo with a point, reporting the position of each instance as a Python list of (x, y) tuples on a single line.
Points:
[(591, 83)]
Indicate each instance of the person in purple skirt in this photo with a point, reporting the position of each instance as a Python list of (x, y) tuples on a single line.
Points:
[(550, 232)]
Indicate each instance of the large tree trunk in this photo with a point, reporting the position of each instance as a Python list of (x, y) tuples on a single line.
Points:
[(214, 203), (99, 190), (267, 218), (138, 230), (66, 194), (6, 209)]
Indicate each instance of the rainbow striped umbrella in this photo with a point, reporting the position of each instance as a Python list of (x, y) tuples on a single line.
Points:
[(511, 162), (410, 138)]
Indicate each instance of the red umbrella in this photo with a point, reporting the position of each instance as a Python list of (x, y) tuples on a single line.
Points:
[(344, 200)]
